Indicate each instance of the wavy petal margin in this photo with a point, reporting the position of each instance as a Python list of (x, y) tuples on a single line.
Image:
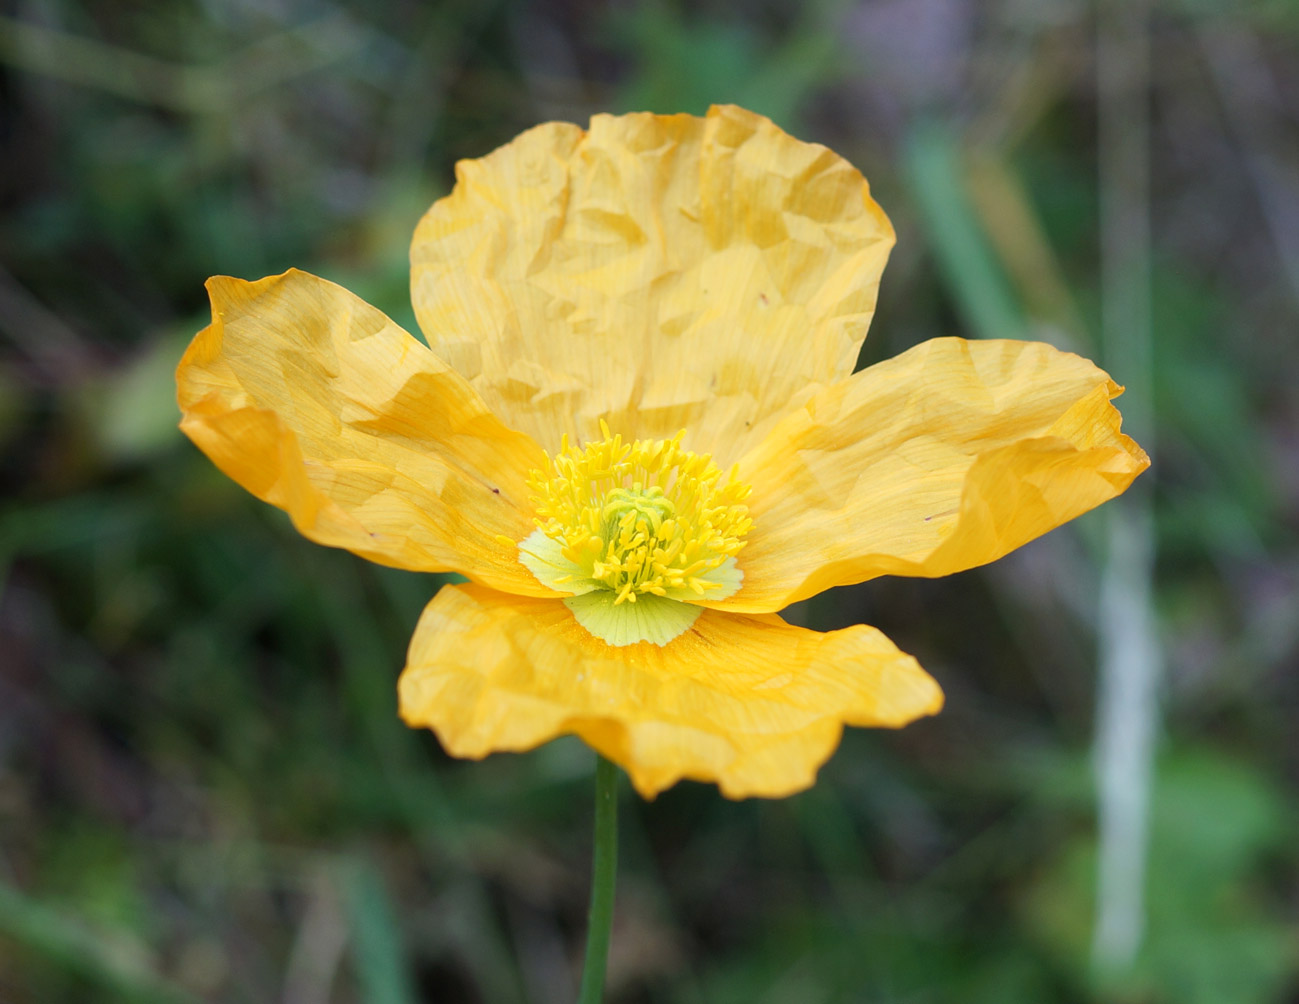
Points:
[(317, 403), (659, 271), (751, 703), (943, 458)]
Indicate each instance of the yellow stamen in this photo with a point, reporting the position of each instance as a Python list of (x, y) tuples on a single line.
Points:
[(641, 517)]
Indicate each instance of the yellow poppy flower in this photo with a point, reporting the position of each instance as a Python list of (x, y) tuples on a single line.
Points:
[(636, 430)]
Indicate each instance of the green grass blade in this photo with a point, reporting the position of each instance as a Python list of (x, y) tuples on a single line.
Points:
[(382, 974), (965, 257), (66, 942)]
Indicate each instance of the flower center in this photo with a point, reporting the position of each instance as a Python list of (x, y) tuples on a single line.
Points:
[(637, 523)]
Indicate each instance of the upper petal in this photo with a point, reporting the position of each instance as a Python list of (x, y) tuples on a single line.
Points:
[(317, 403), (943, 458), (752, 703), (659, 271)]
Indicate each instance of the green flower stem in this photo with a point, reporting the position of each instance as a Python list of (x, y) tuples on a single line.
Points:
[(603, 871)]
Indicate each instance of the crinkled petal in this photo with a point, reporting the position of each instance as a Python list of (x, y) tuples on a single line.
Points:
[(751, 703), (317, 403), (943, 458), (659, 271)]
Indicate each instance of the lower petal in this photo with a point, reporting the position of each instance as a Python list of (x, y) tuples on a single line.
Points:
[(749, 702)]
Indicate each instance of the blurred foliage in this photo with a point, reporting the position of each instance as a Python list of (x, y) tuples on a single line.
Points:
[(205, 792)]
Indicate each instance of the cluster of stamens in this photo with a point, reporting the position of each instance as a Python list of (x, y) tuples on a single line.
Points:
[(641, 517)]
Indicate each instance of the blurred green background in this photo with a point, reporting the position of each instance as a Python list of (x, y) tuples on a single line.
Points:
[(205, 792)]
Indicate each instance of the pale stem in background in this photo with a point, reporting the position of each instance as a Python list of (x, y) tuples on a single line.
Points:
[(1129, 654)]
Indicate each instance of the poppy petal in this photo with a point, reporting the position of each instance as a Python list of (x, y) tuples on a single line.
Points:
[(940, 459), (751, 703), (663, 272), (316, 402)]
